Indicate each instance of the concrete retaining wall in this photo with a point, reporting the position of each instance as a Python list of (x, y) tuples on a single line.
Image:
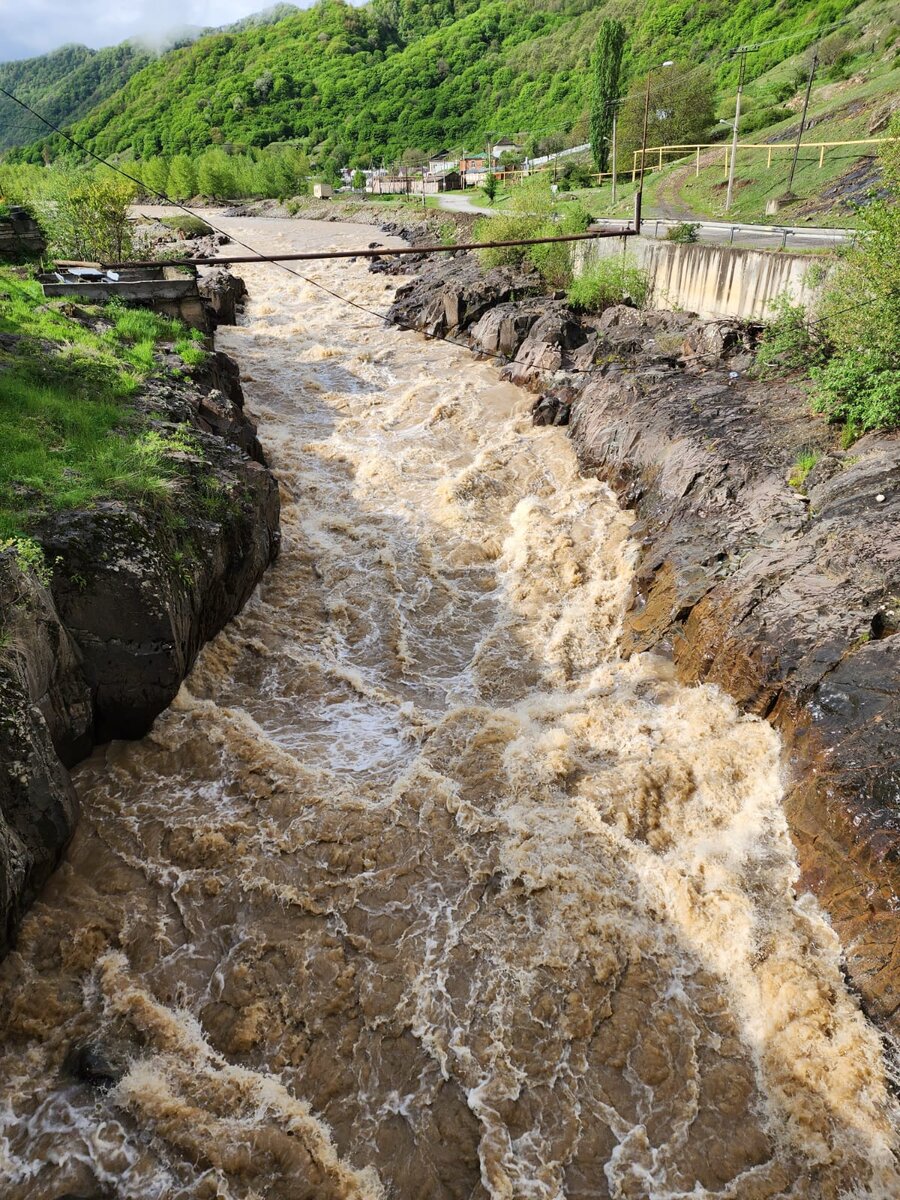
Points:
[(714, 281)]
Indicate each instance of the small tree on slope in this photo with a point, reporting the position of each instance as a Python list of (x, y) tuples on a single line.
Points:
[(606, 66)]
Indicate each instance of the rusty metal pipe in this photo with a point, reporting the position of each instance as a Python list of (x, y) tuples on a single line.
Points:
[(379, 253)]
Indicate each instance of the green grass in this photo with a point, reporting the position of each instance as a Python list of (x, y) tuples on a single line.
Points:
[(188, 225), (804, 463), (69, 430)]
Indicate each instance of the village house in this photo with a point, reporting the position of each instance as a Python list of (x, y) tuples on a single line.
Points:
[(473, 167), (504, 146), (443, 160)]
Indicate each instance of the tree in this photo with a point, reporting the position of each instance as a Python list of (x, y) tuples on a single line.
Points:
[(860, 316), (215, 175), (155, 174), (182, 183), (606, 67), (89, 220), (413, 159), (489, 187), (682, 109), (358, 182)]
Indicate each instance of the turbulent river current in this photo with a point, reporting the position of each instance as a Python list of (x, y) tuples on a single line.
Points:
[(419, 890)]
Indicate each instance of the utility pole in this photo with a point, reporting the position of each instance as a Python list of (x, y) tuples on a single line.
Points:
[(809, 83), (742, 51), (639, 195)]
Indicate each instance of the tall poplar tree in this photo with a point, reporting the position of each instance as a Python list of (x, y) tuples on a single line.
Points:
[(606, 67)]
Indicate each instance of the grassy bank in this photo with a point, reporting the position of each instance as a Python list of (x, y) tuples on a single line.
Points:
[(69, 426)]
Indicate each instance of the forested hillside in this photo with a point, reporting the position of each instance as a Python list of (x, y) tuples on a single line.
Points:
[(352, 84), (63, 86), (68, 83)]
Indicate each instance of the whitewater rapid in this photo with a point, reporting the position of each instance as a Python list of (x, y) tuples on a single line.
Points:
[(419, 890)]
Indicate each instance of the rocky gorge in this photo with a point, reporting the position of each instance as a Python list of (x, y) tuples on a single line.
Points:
[(96, 643), (781, 588)]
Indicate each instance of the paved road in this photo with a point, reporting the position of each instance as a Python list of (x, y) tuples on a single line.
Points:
[(463, 204), (795, 237)]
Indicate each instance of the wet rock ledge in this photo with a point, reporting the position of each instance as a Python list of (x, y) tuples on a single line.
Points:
[(786, 597), (133, 592)]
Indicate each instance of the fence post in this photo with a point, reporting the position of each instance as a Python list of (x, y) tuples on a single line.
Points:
[(697, 172), (660, 157), (822, 154), (769, 159)]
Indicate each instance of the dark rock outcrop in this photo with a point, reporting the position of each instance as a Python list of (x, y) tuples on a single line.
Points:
[(45, 716), (223, 293), (455, 293), (787, 597), (131, 594)]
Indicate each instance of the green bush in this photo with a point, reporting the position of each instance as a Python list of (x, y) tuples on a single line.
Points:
[(862, 390), (684, 231), (87, 218), (607, 282), (860, 316), (532, 213), (789, 342), (763, 117)]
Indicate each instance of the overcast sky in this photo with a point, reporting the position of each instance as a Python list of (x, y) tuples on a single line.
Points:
[(29, 27)]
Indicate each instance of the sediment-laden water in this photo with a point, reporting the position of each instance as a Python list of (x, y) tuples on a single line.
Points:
[(419, 890)]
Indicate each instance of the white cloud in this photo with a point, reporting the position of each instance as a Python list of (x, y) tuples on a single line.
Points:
[(30, 27)]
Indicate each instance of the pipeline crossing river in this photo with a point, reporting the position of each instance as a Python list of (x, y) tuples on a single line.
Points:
[(419, 890)]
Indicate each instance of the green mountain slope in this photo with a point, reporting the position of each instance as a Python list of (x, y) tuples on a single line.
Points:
[(68, 83), (63, 86), (355, 83)]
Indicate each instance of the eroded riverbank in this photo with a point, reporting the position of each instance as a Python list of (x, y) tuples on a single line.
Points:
[(419, 888)]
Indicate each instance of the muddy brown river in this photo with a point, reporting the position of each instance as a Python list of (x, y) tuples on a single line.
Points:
[(418, 890)]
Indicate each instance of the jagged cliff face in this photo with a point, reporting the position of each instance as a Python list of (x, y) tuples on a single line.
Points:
[(131, 595), (421, 887)]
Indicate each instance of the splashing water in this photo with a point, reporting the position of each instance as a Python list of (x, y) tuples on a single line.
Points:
[(418, 889)]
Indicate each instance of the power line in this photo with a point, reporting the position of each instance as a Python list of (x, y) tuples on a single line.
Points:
[(265, 258), (814, 34), (262, 257)]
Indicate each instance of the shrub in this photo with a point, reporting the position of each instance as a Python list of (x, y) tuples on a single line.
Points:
[(788, 341), (554, 259), (89, 219), (860, 384), (763, 117), (531, 213), (489, 187), (684, 231), (862, 390), (607, 282)]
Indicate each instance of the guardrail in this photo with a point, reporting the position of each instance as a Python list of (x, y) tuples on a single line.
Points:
[(651, 226), (683, 149)]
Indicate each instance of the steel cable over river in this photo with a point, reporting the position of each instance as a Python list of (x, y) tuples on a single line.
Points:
[(419, 890)]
